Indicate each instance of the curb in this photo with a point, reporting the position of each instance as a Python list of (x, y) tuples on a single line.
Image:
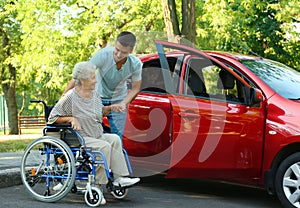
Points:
[(10, 177), (10, 174)]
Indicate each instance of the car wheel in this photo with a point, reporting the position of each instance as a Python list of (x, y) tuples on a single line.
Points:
[(287, 181)]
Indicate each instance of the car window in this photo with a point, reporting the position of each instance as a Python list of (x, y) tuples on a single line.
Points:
[(152, 80), (206, 79), (279, 77), (152, 75)]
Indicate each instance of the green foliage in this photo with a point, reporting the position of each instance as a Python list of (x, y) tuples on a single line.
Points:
[(267, 28), (9, 39), (47, 38), (57, 34)]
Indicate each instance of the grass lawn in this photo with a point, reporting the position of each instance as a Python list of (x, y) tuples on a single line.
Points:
[(15, 145), (25, 131)]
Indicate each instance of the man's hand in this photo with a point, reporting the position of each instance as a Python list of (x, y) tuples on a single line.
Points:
[(119, 107)]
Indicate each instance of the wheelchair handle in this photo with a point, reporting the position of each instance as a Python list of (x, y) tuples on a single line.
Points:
[(38, 101)]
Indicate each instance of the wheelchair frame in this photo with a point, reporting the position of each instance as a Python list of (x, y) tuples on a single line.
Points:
[(48, 161)]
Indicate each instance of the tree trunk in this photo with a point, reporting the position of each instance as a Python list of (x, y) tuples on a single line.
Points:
[(189, 21), (187, 35), (9, 90), (171, 19)]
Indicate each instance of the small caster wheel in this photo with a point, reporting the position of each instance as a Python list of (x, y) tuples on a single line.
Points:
[(95, 199), (119, 193)]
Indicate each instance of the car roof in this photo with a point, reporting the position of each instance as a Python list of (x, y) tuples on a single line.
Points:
[(232, 55)]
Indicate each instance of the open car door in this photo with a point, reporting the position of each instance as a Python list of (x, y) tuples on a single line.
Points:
[(215, 129)]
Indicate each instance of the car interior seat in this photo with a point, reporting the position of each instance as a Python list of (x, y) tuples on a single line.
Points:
[(226, 82), (196, 84), (152, 80)]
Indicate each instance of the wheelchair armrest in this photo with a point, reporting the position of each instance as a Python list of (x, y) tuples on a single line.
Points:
[(60, 125)]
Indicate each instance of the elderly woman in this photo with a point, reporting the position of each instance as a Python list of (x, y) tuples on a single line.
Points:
[(82, 107)]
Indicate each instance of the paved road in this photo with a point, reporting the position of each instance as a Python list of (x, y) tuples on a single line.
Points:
[(151, 192), (158, 192)]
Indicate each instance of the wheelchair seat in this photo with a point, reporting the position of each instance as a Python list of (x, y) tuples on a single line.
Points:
[(64, 132)]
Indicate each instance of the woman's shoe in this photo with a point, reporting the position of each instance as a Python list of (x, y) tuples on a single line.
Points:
[(125, 181)]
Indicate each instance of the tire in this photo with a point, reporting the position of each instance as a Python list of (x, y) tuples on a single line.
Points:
[(119, 193), (97, 197), (46, 162), (287, 181)]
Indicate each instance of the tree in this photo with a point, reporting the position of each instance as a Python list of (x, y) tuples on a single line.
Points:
[(188, 23), (289, 16), (57, 34), (266, 28), (171, 19), (10, 39), (42, 40), (188, 20)]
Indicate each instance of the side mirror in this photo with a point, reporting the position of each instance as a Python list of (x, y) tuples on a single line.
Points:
[(256, 96)]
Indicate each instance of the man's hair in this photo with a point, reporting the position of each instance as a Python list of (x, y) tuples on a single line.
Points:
[(126, 39)]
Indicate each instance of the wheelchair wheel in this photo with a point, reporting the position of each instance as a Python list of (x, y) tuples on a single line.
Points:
[(93, 198), (120, 193), (48, 169)]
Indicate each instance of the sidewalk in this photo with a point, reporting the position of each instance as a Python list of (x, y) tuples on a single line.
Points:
[(10, 162)]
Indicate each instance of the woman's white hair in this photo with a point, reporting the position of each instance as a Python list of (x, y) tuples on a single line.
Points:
[(82, 70)]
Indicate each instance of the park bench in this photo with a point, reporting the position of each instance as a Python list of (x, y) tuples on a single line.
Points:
[(30, 122)]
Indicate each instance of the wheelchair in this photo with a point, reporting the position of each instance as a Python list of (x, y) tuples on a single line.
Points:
[(60, 157)]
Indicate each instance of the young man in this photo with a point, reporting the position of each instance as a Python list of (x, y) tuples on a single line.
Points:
[(115, 66)]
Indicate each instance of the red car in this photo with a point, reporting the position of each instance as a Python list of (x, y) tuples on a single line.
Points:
[(219, 116)]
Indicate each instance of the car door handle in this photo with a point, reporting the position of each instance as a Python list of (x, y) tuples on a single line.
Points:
[(188, 115)]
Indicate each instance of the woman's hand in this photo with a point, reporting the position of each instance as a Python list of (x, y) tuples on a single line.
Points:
[(75, 124)]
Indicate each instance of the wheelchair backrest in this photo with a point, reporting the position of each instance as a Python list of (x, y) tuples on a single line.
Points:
[(62, 131)]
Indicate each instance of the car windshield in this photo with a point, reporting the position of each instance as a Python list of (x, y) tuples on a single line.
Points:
[(281, 78)]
